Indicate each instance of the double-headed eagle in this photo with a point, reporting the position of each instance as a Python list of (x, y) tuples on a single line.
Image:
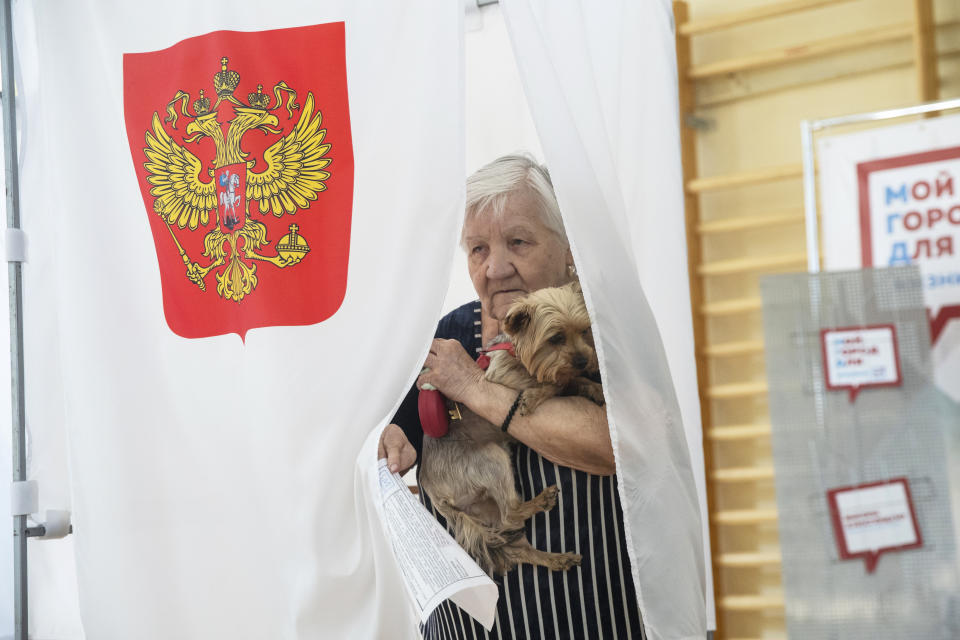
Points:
[(183, 196)]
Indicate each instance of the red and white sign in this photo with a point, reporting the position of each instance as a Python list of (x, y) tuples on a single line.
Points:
[(873, 519), (910, 212), (891, 196), (858, 357)]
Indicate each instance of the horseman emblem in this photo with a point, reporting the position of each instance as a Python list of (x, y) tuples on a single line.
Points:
[(227, 148), (229, 187)]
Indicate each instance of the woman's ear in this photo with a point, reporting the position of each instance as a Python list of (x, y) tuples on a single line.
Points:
[(517, 319)]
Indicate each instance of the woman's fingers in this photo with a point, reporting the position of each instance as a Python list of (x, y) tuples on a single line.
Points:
[(395, 447), (449, 369)]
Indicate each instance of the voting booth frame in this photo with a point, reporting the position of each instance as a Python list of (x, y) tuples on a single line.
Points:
[(14, 263)]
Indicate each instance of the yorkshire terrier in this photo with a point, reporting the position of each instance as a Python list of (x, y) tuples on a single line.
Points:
[(468, 473)]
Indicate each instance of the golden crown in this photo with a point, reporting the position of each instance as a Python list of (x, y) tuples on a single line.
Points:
[(258, 100), (201, 105), (226, 80)]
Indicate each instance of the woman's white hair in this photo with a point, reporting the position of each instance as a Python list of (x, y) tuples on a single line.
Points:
[(490, 186)]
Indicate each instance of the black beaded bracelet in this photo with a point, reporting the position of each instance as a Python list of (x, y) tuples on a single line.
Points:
[(513, 410)]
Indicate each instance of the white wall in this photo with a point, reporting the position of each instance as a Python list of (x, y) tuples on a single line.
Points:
[(498, 122)]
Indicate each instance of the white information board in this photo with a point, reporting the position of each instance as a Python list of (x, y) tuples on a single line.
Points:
[(891, 196)]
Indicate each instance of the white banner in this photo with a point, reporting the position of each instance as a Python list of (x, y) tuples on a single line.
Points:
[(601, 84), (235, 217), (891, 196)]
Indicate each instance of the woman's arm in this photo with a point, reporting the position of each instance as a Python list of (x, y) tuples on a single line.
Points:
[(570, 431)]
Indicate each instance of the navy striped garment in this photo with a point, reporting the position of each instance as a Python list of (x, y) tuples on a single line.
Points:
[(595, 600)]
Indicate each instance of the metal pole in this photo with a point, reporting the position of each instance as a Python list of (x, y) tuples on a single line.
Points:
[(16, 314), (887, 114), (810, 198)]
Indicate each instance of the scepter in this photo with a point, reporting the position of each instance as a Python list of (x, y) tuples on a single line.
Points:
[(193, 272)]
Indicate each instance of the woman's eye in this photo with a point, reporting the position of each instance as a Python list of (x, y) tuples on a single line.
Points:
[(556, 338), (516, 242)]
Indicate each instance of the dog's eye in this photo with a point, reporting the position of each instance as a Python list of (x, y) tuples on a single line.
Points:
[(557, 338)]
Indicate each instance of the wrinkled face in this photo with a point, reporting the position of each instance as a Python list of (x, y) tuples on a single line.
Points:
[(513, 255)]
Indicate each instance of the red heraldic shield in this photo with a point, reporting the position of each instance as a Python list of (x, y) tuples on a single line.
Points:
[(242, 148)]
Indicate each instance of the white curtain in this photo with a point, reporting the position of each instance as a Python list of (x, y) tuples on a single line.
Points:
[(211, 480), (601, 84), (201, 518)]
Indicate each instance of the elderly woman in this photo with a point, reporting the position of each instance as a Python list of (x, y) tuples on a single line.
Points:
[(515, 243)]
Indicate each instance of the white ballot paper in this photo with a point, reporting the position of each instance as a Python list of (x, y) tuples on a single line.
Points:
[(434, 566)]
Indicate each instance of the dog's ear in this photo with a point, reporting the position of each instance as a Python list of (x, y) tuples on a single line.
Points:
[(518, 318)]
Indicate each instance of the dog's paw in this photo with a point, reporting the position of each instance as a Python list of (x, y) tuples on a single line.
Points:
[(548, 498), (523, 407), (596, 395), (534, 397), (564, 561), (590, 390)]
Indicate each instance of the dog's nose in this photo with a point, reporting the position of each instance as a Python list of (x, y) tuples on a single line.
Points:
[(579, 361)]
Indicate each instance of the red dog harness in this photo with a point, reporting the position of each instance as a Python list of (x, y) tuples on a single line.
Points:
[(484, 360)]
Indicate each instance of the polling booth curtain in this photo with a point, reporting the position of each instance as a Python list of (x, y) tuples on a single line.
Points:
[(601, 86), (196, 397)]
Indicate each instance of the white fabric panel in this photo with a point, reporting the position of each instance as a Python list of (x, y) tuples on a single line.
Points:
[(213, 485), (605, 171), (637, 89), (624, 69), (53, 601)]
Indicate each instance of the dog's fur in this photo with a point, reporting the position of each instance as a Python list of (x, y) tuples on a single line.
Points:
[(468, 474)]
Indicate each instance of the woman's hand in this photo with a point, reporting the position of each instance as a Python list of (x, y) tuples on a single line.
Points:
[(452, 371), (570, 431), (398, 451)]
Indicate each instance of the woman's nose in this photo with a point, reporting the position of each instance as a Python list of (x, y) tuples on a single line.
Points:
[(499, 264)]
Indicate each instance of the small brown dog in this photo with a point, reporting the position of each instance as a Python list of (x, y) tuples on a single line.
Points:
[(468, 473)]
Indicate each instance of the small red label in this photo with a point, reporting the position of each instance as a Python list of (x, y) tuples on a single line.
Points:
[(855, 358), (874, 518)]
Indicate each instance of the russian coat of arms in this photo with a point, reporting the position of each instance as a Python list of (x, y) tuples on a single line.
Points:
[(186, 192), (234, 169)]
